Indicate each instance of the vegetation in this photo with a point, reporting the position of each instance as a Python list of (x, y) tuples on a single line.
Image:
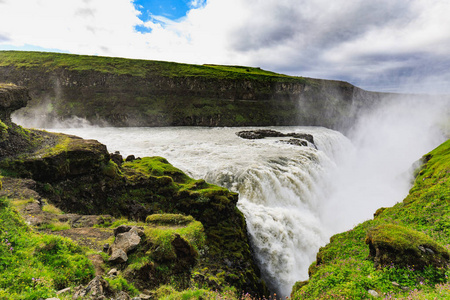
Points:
[(343, 270), (133, 67), (35, 265)]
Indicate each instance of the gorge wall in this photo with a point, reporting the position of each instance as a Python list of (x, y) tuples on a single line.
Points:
[(124, 92)]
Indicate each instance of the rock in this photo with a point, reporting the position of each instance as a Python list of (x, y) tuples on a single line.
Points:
[(122, 296), (263, 133), (296, 142), (127, 239), (395, 284), (118, 256), (106, 248), (117, 158), (122, 229), (12, 98), (112, 272), (373, 293), (130, 158), (145, 296), (96, 289), (63, 291), (54, 298), (259, 134)]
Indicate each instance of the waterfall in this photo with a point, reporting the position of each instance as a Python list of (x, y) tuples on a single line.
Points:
[(282, 188)]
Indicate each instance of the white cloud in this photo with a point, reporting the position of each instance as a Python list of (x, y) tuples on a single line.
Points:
[(365, 42)]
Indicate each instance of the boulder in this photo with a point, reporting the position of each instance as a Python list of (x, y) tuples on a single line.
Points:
[(127, 239), (118, 256)]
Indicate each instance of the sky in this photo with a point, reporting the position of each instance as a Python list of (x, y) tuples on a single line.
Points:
[(379, 45)]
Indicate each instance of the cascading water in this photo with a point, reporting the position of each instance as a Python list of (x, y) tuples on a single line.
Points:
[(295, 197), (282, 187)]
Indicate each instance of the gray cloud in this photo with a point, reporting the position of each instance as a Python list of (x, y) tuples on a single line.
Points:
[(4, 38), (374, 44)]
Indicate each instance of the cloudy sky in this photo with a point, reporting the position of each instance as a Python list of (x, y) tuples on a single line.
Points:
[(384, 45)]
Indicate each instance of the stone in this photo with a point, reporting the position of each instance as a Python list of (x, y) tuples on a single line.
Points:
[(117, 158), (106, 248), (395, 284), (66, 290), (122, 229), (112, 272), (373, 293), (118, 256), (130, 158), (96, 289), (122, 296)]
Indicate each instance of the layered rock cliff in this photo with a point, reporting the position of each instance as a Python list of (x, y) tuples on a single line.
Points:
[(123, 92)]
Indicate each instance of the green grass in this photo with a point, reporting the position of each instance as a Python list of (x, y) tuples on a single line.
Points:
[(133, 67), (36, 265), (343, 269)]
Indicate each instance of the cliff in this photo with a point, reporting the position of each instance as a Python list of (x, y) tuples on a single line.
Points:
[(180, 232), (403, 253), (125, 92)]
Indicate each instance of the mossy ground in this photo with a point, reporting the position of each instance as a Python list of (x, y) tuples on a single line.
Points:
[(344, 270)]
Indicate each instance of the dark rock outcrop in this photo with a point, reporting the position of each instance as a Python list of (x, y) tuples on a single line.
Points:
[(11, 99), (300, 139)]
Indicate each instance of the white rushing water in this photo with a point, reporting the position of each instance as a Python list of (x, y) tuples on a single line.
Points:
[(294, 198)]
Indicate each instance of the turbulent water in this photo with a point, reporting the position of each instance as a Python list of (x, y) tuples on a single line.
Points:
[(294, 198)]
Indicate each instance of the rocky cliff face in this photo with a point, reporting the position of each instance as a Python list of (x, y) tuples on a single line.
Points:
[(163, 98)]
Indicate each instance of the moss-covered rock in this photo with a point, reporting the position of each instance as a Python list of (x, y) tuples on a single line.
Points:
[(391, 244)]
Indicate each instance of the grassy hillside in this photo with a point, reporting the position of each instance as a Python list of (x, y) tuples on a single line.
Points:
[(402, 253), (133, 67)]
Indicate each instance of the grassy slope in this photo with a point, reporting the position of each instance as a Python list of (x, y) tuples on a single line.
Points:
[(344, 270), (133, 67)]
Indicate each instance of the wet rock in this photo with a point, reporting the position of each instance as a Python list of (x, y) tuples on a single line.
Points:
[(296, 142), (259, 134), (263, 133)]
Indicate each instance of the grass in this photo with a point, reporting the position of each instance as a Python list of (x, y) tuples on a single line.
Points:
[(133, 67), (36, 265), (342, 269)]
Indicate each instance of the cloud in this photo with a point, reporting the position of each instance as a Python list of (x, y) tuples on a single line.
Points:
[(373, 44)]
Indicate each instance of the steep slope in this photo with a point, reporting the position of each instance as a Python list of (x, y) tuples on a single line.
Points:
[(402, 253), (125, 92)]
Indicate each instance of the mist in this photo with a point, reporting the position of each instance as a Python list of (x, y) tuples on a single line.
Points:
[(377, 170)]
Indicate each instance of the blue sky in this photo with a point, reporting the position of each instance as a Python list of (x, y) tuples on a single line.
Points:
[(383, 45), (171, 9)]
